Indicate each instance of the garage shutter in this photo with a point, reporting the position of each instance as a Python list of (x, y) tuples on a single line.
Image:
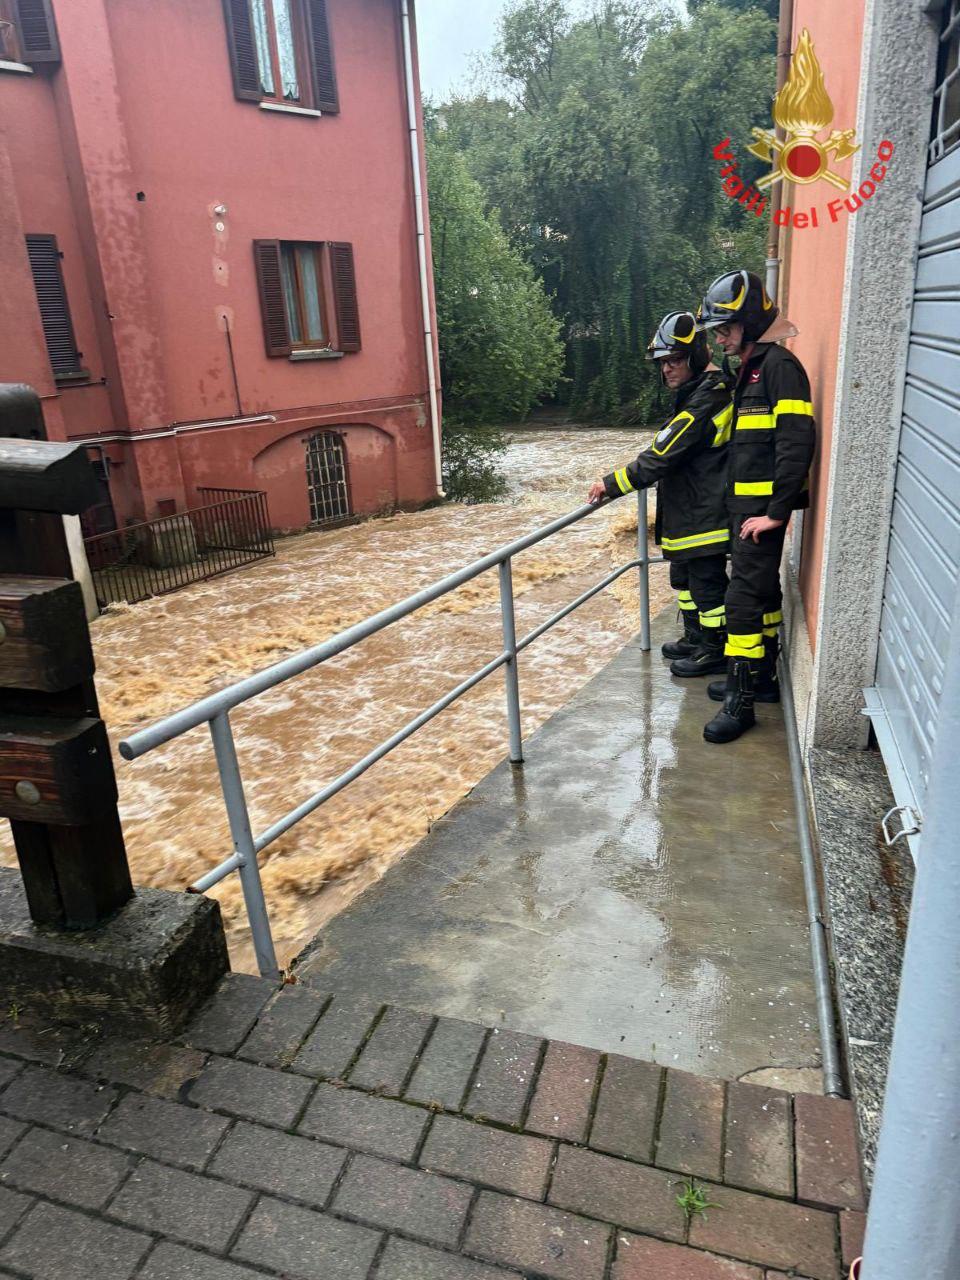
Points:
[(924, 550)]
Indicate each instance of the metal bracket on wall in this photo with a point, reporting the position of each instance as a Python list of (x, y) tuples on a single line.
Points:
[(910, 823)]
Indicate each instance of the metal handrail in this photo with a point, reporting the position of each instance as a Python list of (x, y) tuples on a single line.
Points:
[(215, 709)]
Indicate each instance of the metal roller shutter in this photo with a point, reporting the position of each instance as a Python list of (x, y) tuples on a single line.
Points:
[(923, 559)]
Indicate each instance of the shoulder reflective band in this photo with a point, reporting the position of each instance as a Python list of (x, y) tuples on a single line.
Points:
[(623, 482), (696, 540), (753, 488), (672, 436), (755, 421), (744, 646), (802, 407), (722, 421)]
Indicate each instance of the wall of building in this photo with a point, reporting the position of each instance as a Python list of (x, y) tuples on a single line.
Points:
[(124, 152)]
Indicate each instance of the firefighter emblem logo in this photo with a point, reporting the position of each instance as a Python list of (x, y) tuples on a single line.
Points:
[(802, 109)]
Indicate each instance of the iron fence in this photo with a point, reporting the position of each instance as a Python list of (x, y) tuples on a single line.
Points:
[(153, 557), (214, 710)]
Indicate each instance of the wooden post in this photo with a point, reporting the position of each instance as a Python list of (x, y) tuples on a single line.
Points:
[(57, 784)]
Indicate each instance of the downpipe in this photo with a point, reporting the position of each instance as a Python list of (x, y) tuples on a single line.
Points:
[(413, 126), (833, 1083)]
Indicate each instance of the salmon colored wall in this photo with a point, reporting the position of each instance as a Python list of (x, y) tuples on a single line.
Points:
[(815, 262), (144, 103)]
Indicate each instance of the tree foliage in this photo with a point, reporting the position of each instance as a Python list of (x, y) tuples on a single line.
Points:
[(592, 145)]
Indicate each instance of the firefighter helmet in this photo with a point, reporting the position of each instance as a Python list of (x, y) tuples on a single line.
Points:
[(738, 297), (679, 335)]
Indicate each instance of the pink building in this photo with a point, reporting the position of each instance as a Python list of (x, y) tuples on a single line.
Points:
[(210, 252)]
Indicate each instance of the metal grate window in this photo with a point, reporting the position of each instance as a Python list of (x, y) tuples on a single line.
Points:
[(946, 97), (327, 478)]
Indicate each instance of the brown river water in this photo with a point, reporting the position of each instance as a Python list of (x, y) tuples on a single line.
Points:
[(156, 657)]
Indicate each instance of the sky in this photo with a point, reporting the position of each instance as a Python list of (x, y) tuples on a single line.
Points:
[(450, 33)]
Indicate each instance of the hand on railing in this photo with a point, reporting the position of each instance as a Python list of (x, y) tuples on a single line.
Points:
[(597, 494)]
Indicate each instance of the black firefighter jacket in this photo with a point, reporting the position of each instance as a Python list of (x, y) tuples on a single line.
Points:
[(689, 459), (774, 435)]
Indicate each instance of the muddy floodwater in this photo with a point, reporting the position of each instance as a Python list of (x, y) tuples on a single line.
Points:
[(157, 657)]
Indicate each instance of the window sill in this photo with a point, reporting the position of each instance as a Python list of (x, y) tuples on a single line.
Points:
[(322, 353), (290, 111), (20, 67), (71, 379)]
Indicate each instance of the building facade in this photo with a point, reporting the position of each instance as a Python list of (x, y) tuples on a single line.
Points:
[(209, 247)]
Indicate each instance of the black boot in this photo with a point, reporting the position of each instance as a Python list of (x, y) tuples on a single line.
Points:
[(707, 659), (766, 684), (692, 635), (736, 716)]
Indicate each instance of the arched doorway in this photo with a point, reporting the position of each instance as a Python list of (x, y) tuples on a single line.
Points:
[(328, 485)]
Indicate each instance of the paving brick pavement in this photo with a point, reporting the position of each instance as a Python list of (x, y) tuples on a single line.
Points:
[(298, 1136)]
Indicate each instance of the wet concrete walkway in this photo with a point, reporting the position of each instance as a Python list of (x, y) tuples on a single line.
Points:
[(630, 889)]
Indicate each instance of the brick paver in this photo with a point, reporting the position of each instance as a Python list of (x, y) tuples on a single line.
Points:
[(374, 1125), (489, 1157), (278, 1156), (62, 1168), (256, 1093), (165, 1130), (564, 1094), (626, 1117), (53, 1243), (775, 1232), (76, 1106), (504, 1079), (759, 1140), (181, 1205), (446, 1064), (225, 1020), (828, 1162), (298, 1168), (639, 1258), (407, 1200), (386, 1060), (304, 1244), (537, 1238), (691, 1128), (283, 1026), (617, 1191)]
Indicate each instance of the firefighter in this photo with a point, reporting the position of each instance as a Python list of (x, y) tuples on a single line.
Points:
[(688, 458), (771, 450)]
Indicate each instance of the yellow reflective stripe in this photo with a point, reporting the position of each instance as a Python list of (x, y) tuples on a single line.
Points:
[(773, 619), (802, 407), (623, 481), (770, 632), (713, 617), (687, 606), (686, 419), (755, 421), (723, 422), (753, 488), (696, 540), (684, 595), (744, 646)]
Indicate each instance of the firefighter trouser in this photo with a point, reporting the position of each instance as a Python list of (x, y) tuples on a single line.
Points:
[(754, 598), (701, 584)]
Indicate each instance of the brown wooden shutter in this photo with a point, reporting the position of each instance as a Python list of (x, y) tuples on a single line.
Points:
[(325, 93), (270, 283), (345, 296), (243, 50), (38, 31), (54, 312)]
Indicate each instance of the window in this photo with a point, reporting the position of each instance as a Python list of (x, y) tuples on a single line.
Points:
[(65, 359), (308, 298), (281, 52), (28, 32)]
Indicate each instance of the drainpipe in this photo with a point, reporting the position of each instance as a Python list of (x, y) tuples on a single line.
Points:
[(428, 335), (913, 1227), (784, 42)]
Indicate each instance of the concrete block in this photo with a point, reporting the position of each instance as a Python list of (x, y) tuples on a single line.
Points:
[(143, 972)]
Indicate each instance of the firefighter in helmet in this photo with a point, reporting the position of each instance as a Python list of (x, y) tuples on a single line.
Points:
[(688, 458), (771, 449)]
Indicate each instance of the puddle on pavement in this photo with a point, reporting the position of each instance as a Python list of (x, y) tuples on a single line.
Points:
[(157, 657)]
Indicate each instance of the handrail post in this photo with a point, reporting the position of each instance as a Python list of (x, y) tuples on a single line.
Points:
[(643, 555), (510, 669), (249, 870)]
